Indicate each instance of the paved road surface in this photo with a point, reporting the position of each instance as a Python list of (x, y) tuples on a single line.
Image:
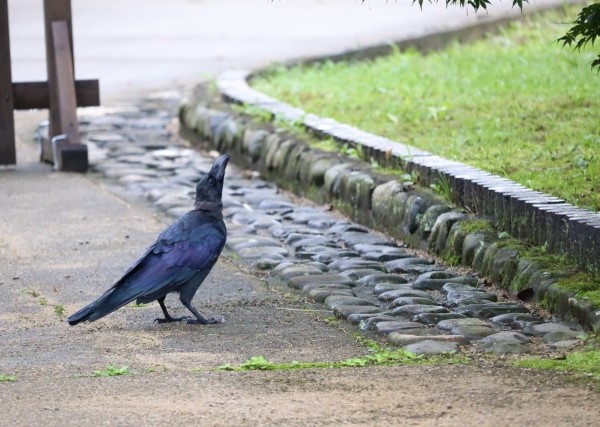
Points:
[(135, 45)]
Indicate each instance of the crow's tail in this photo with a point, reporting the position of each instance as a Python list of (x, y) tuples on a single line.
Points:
[(112, 300)]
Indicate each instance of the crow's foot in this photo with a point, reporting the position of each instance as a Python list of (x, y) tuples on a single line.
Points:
[(172, 319)]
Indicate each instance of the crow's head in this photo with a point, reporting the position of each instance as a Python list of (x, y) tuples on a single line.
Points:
[(210, 187)]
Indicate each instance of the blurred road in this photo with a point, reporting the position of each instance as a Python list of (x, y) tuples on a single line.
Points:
[(138, 45)]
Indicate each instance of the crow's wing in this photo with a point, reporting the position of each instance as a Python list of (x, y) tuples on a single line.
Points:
[(181, 251)]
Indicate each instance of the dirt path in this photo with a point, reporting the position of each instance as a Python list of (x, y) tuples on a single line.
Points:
[(64, 239)]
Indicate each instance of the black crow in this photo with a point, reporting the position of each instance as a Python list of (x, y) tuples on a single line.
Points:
[(179, 261)]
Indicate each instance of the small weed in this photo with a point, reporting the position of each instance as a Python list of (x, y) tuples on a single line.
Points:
[(332, 320), (383, 357), (59, 310), (442, 187), (255, 112), (504, 235), (7, 378), (113, 371), (43, 301), (31, 292), (142, 305), (583, 364)]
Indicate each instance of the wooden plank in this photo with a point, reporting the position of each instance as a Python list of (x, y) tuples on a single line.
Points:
[(8, 155), (65, 82), (28, 95), (54, 10)]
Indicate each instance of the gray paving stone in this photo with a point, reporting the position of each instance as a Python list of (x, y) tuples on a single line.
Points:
[(402, 301), (358, 273), (370, 323), (435, 318), (241, 242), (352, 238), (399, 292), (490, 309), (455, 299), (266, 263), (343, 264), (312, 241), (384, 249), (262, 252), (379, 278), (321, 279), (385, 327), (299, 270), (335, 300), (542, 329), (402, 265), (309, 287), (343, 311), (386, 257), (363, 319), (508, 318), (415, 309), (342, 227), (504, 347), (331, 255), (435, 281), (384, 287), (556, 336), (321, 294), (459, 288), (471, 329), (506, 336), (401, 339), (565, 345), (432, 347)]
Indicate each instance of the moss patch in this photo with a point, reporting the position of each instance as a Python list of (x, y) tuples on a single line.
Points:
[(584, 364), (476, 226)]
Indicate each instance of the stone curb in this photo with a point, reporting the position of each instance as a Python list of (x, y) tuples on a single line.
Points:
[(524, 213), (413, 214)]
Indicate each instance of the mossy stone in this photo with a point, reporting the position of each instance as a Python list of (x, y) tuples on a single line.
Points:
[(253, 142), (429, 217), (503, 266)]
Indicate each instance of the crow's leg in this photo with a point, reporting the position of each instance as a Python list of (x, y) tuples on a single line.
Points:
[(168, 318), (199, 318)]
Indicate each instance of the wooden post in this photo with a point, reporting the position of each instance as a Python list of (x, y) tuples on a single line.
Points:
[(61, 94), (64, 83), (7, 125), (54, 10)]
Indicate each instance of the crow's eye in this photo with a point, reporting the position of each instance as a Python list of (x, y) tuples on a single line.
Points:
[(211, 180)]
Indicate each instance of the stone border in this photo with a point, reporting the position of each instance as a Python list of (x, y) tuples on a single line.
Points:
[(524, 213), (379, 200)]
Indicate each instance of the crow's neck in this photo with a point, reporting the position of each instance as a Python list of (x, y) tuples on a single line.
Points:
[(212, 207)]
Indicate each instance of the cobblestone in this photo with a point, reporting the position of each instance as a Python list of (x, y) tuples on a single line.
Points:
[(360, 275)]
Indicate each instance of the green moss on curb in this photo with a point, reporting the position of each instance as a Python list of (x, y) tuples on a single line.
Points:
[(476, 226)]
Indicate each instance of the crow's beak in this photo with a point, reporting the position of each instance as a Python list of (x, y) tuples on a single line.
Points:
[(218, 167)]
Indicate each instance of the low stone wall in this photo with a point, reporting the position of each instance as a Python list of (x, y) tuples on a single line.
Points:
[(381, 201)]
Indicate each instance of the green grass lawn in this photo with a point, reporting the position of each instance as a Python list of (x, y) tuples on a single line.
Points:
[(515, 104)]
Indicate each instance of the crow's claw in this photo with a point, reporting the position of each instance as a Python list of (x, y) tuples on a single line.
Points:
[(172, 319)]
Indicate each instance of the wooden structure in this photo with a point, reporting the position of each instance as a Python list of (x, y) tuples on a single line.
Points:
[(61, 94)]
